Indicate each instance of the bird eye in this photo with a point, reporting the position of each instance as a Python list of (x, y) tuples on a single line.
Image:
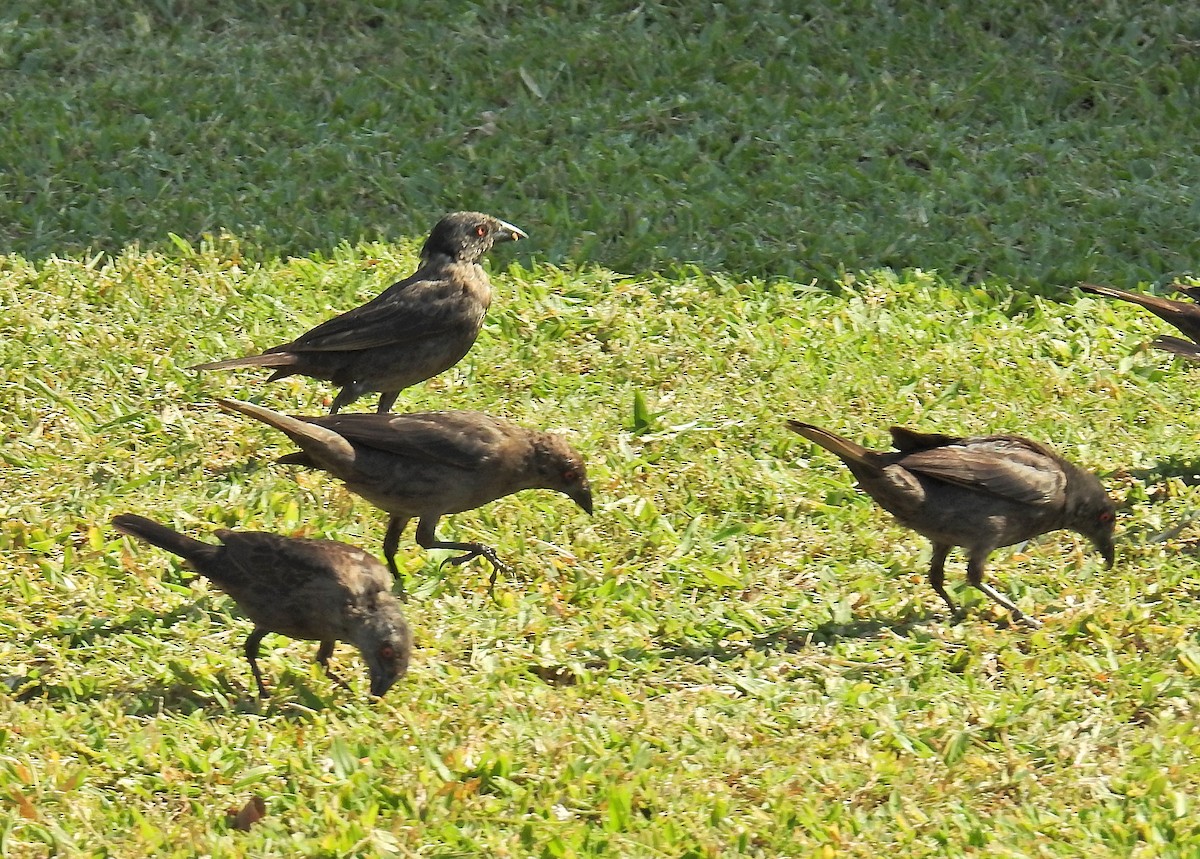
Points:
[(387, 652), (481, 231), (1106, 517), (570, 475)]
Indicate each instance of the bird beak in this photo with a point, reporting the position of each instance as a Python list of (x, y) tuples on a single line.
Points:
[(1108, 551), (381, 682), (583, 497), (508, 233)]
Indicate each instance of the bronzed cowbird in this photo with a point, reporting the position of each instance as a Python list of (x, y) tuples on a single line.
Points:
[(978, 493), (410, 332), (317, 590), (430, 464)]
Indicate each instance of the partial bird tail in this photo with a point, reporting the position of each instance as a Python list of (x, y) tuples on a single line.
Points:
[(1150, 302), (1179, 346), (267, 359), (162, 536), (846, 450), (320, 445)]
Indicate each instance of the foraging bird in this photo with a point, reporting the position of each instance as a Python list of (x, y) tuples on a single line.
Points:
[(1184, 315), (410, 332), (978, 493), (317, 590), (430, 464)]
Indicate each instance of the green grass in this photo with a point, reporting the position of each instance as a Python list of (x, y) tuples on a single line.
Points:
[(738, 214), (1043, 143), (738, 655)]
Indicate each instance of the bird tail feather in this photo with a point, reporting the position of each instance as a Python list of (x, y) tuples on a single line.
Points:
[(323, 445), (1150, 302), (845, 449), (268, 359), (161, 536), (1182, 348)]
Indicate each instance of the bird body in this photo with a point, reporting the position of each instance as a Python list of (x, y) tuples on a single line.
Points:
[(1184, 315), (430, 464), (317, 590), (413, 330), (979, 493)]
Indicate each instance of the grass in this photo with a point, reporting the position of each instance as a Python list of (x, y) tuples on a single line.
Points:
[(1042, 144), (738, 215), (737, 656)]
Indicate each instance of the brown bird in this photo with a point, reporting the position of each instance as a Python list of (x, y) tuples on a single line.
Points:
[(410, 332), (317, 590), (978, 493), (1184, 315), (430, 464)]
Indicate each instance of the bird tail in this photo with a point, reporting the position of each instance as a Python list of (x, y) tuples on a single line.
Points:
[(846, 450), (1150, 302), (320, 445), (162, 536), (267, 359), (1179, 346)]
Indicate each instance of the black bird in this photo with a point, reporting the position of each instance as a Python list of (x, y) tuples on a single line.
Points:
[(430, 464), (410, 332), (1184, 315), (978, 493), (317, 590)]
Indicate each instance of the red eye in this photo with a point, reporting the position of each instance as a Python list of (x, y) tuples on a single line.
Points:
[(481, 231), (570, 475), (1106, 517), (387, 652)]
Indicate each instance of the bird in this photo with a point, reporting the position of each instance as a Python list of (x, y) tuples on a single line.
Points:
[(316, 590), (425, 465), (979, 493), (413, 330), (1184, 315)]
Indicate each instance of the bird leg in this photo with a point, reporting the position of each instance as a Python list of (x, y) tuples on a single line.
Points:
[(348, 394), (937, 573), (427, 539), (323, 653), (391, 544), (975, 577), (252, 654), (386, 400)]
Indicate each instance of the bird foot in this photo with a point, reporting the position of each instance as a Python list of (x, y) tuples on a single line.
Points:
[(480, 551)]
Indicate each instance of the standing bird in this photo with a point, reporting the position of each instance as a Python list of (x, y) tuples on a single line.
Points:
[(427, 465), (317, 590), (978, 493), (1184, 315), (410, 332)]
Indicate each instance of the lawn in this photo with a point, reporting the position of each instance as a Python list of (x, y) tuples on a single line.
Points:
[(851, 216)]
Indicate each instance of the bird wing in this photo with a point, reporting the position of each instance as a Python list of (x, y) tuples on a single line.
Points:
[(467, 440), (268, 562), (424, 304), (1006, 467), (284, 565), (906, 440)]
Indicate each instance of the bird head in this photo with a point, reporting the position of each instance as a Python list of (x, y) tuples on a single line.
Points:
[(385, 643), (467, 236), (1093, 513), (559, 467)]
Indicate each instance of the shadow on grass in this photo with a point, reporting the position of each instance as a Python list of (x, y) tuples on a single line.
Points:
[(787, 640), (791, 640), (293, 700), (1171, 467)]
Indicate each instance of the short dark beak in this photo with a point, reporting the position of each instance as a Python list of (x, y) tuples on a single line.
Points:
[(583, 497), (1108, 551), (508, 233), (380, 683)]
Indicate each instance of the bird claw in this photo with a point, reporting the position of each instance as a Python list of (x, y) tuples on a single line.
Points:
[(481, 551)]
